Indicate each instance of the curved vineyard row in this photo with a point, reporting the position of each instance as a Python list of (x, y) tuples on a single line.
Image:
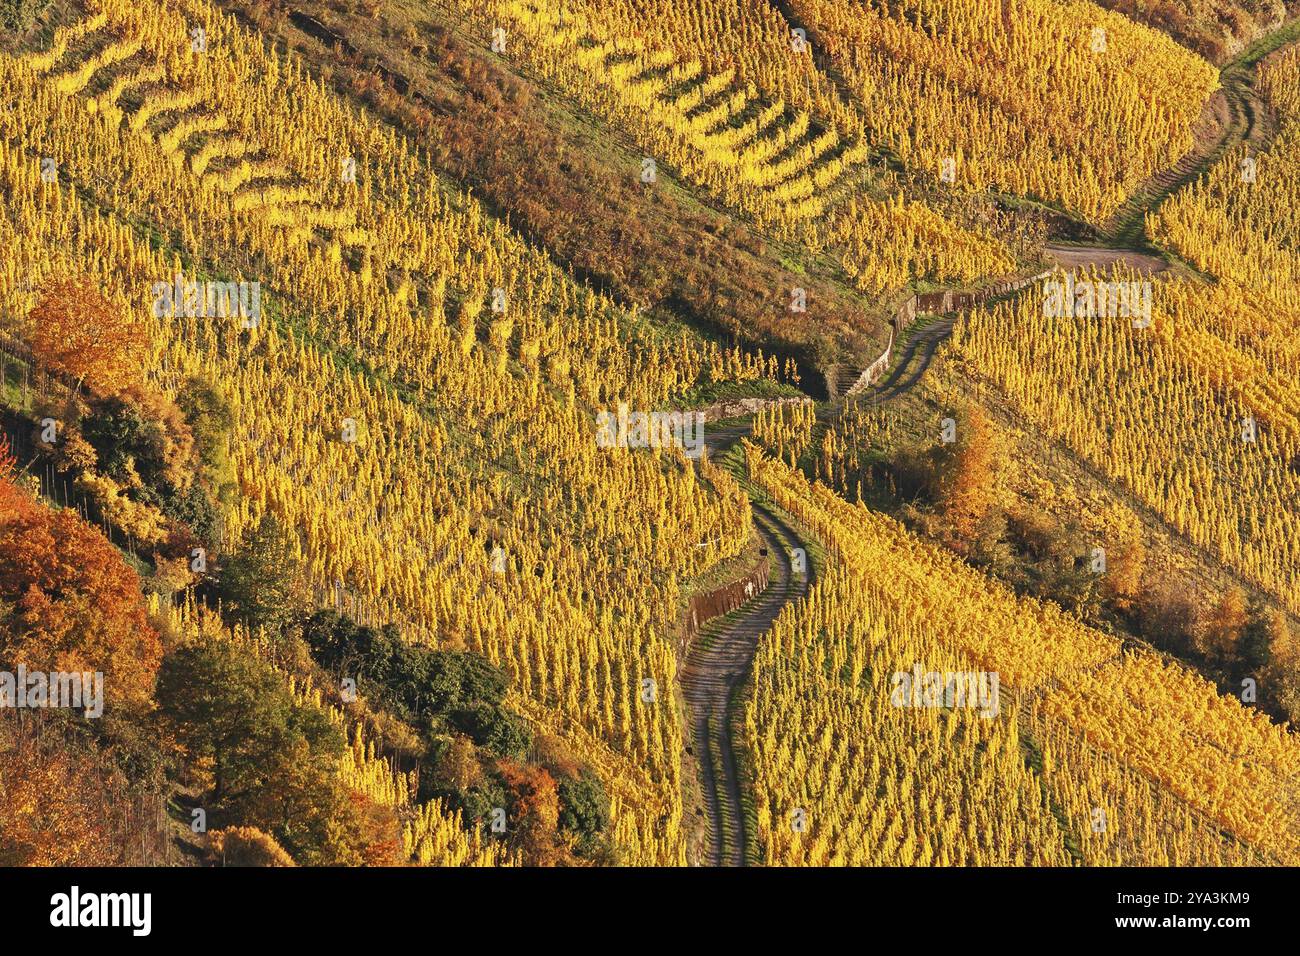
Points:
[(1061, 763), (407, 429)]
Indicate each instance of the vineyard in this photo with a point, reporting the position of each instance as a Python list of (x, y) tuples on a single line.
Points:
[(1089, 709), (382, 291), (400, 511), (1167, 411), (1059, 101), (769, 138), (1235, 223)]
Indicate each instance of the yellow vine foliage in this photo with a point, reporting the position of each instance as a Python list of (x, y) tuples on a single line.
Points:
[(759, 47), (417, 398), (1238, 222), (1144, 762), (1195, 415), (753, 152), (891, 242), (856, 427), (749, 128), (1062, 101), (786, 429)]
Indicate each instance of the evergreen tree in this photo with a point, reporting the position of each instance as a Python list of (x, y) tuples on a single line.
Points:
[(259, 585)]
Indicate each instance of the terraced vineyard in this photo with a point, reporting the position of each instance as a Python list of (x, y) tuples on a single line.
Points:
[(404, 527), (1065, 693), (354, 316), (789, 167)]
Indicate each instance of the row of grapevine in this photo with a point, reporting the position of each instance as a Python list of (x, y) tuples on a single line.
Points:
[(418, 396), (735, 130), (1238, 221), (1085, 753), (889, 243), (1062, 101), (1195, 414), (753, 152)]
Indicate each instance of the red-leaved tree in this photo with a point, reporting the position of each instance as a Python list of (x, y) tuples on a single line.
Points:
[(70, 602), (79, 333)]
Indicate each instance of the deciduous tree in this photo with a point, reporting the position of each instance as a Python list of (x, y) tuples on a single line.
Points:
[(1219, 630), (78, 332), (533, 812), (260, 583), (53, 806), (274, 759), (76, 604), (968, 475)]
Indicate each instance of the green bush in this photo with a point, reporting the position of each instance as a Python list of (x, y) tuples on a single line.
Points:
[(210, 417), (494, 727), (417, 684), (584, 810), (19, 14)]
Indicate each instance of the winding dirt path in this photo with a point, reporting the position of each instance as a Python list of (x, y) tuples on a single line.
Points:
[(718, 662), (914, 359), (1105, 257), (1235, 114)]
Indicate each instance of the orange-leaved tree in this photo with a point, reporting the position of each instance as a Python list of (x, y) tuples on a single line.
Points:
[(533, 807), (54, 805), (13, 498), (79, 333), (969, 475), (1220, 628), (70, 602)]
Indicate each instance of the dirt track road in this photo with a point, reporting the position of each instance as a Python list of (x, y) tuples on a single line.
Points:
[(718, 662), (1081, 257), (915, 357)]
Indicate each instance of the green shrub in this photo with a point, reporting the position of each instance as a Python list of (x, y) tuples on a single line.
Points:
[(19, 14)]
